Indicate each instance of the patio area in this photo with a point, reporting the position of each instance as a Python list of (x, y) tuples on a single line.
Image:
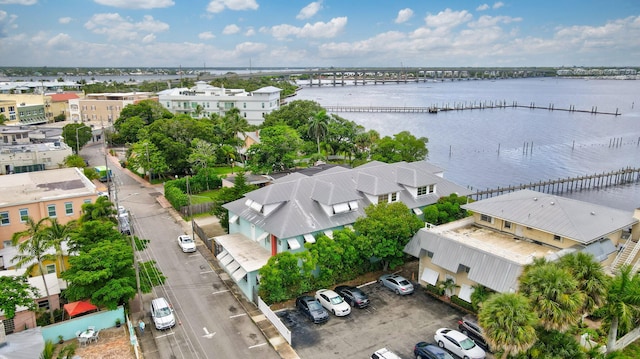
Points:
[(113, 344)]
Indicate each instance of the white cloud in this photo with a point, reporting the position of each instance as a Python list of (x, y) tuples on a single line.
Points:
[(250, 32), (448, 19), (115, 27), (6, 22), (498, 5), (149, 38), (482, 7), (18, 2), (216, 6), (207, 35), (231, 29), (317, 30), (65, 20), (404, 15), (309, 10), (136, 4), (60, 41)]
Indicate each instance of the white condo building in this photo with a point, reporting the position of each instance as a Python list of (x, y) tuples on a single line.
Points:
[(204, 100)]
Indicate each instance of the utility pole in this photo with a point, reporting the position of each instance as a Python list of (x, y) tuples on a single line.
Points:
[(77, 142)]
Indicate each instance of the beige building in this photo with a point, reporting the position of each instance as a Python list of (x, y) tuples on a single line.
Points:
[(507, 232), (18, 154), (103, 109), (58, 193), (60, 103), (27, 109)]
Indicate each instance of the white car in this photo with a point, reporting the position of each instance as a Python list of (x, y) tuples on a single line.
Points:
[(333, 302), (186, 243), (458, 343)]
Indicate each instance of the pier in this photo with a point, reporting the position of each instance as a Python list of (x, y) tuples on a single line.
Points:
[(569, 184), (464, 106)]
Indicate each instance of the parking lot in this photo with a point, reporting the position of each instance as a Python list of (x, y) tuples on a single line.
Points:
[(392, 321)]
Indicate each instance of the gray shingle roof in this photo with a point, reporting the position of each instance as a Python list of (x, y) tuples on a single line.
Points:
[(580, 221), (300, 212)]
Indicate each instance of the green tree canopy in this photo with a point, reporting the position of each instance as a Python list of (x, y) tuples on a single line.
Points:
[(402, 147), (100, 210), (104, 273), (147, 110), (622, 303), (76, 135), (295, 114), (446, 210), (15, 291), (74, 161), (277, 150), (283, 278), (387, 228), (592, 280)]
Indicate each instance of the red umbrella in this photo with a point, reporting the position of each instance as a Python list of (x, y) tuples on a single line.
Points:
[(79, 307)]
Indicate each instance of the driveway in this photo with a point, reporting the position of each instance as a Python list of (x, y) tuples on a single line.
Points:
[(392, 321)]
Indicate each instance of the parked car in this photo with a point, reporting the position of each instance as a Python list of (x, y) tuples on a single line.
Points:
[(424, 350), (396, 283), (186, 243), (333, 302), (469, 326), (354, 296), (384, 353), (162, 314), (310, 307), (458, 343)]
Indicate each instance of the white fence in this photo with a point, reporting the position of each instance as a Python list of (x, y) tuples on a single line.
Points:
[(627, 339), (273, 318)]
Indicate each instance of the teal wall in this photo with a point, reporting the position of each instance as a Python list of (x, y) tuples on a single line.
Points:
[(68, 328)]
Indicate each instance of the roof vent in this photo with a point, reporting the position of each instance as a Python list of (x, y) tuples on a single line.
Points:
[(535, 198), (593, 213), (552, 203)]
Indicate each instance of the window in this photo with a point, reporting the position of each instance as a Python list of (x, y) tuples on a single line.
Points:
[(485, 218), (87, 201), (263, 105), (51, 268), (394, 197), (24, 214), (422, 190), (68, 208), (244, 105), (463, 268), (431, 188), (557, 238), (44, 304), (429, 254), (51, 210), (9, 326), (383, 198), (4, 218), (507, 224)]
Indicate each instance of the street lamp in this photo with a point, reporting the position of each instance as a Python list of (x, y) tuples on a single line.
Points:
[(77, 142)]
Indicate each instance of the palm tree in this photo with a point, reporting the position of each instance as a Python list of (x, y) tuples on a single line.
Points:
[(58, 233), (67, 352), (592, 280), (102, 209), (508, 322), (33, 249), (234, 124), (318, 125), (554, 295), (622, 303)]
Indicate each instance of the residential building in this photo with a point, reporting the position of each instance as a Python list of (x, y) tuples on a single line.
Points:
[(18, 154), (8, 110), (60, 103), (29, 108), (103, 108), (507, 232), (204, 100), (24, 318), (297, 208), (58, 193)]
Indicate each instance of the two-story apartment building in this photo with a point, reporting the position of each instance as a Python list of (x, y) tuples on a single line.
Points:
[(507, 232), (58, 193), (297, 208), (203, 100), (26, 108)]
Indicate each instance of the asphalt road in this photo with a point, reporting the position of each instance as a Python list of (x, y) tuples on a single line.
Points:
[(210, 321)]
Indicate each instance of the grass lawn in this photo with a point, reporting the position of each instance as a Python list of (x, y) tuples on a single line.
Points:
[(203, 197), (632, 350)]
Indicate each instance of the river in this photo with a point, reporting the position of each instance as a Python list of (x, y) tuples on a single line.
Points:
[(488, 148)]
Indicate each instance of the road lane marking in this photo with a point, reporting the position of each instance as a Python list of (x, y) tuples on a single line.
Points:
[(207, 272), (237, 315), (207, 334), (221, 291), (257, 345), (164, 335)]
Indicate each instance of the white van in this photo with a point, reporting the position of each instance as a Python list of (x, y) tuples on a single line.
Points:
[(384, 353), (162, 314)]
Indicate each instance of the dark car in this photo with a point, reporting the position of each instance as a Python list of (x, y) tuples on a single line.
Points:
[(354, 296), (310, 307), (468, 325), (424, 350)]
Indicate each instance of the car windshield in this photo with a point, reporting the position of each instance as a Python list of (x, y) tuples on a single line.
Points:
[(314, 306), (467, 344), (163, 312), (404, 282), (336, 300), (187, 240), (443, 355)]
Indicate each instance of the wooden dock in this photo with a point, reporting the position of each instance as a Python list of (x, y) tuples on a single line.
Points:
[(463, 106), (569, 184)]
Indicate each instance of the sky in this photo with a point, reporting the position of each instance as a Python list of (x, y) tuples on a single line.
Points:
[(323, 33)]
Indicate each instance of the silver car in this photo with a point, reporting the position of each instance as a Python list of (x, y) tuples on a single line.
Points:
[(399, 284)]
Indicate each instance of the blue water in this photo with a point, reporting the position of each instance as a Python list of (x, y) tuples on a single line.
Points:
[(499, 147)]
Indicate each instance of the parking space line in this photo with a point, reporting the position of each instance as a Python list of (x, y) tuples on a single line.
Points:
[(164, 335), (207, 272), (222, 291), (238, 315), (257, 345)]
